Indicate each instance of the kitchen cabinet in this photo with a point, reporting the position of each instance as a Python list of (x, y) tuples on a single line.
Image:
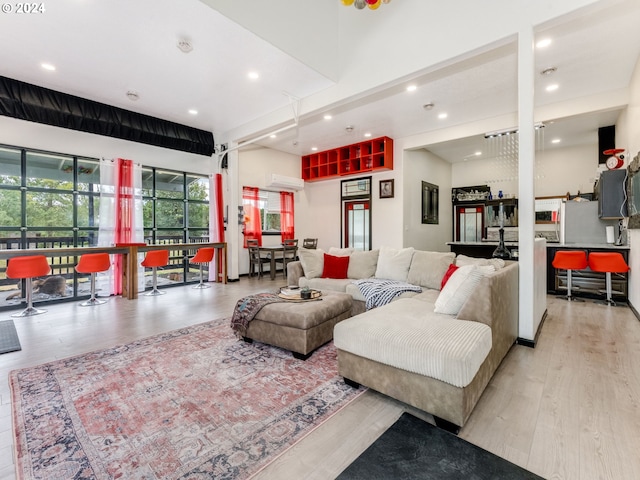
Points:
[(586, 281), (611, 192)]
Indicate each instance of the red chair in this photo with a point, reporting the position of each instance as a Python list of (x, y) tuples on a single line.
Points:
[(608, 262), (202, 256), (93, 263), (570, 260), (154, 259), (28, 268)]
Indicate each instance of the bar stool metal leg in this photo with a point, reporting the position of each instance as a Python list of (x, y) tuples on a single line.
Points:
[(154, 291), (30, 310), (93, 300)]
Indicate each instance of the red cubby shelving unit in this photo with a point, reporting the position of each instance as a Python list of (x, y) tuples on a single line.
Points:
[(367, 156)]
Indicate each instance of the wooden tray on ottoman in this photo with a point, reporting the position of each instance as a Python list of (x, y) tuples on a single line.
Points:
[(300, 326)]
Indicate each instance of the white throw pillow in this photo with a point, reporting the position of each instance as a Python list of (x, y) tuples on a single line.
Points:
[(497, 263), (458, 289), (340, 252), (363, 264), (393, 264), (312, 260)]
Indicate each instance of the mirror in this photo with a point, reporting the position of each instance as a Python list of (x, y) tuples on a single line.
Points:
[(430, 194), (633, 193)]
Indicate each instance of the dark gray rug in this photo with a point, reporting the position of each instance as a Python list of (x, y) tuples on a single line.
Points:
[(9, 341), (414, 449)]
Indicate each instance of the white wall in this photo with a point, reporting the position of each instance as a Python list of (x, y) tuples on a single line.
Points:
[(61, 140), (628, 137), (558, 171), (419, 166), (253, 166)]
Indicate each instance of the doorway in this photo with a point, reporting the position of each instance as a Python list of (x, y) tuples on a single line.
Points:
[(356, 213)]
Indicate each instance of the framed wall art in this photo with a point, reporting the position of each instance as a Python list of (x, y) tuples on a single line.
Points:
[(386, 189)]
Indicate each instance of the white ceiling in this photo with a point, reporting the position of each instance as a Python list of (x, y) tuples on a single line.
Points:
[(102, 49)]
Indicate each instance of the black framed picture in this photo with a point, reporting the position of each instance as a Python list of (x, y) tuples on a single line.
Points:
[(386, 188), (430, 194)]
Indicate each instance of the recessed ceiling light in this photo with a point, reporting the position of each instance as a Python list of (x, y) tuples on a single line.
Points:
[(556, 140), (367, 134), (328, 117), (477, 154), (545, 42), (314, 149), (273, 136), (254, 75), (48, 66), (411, 88), (442, 116), (552, 87), (193, 111)]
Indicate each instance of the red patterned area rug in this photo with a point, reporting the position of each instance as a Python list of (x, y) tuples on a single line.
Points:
[(195, 403)]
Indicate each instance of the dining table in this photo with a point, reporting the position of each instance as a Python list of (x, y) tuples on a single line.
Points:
[(272, 251)]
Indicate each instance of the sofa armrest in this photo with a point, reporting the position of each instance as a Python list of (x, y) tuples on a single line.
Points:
[(495, 303), (294, 272)]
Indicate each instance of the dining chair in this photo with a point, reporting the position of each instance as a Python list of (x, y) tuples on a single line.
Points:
[(256, 259), (289, 254), (311, 243)]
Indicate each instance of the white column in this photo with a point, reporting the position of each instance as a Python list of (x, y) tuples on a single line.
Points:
[(526, 175), (233, 237)]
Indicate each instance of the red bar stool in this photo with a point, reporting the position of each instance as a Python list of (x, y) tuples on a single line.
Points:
[(608, 262), (570, 260), (154, 259), (28, 268), (93, 263), (202, 256)]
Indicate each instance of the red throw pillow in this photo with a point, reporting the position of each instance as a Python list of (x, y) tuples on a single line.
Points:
[(445, 279), (335, 267)]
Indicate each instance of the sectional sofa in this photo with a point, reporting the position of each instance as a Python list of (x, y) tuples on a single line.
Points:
[(435, 350)]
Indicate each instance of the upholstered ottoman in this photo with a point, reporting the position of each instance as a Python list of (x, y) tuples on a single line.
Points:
[(300, 326)]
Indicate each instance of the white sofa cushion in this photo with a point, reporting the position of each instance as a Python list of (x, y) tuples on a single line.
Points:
[(459, 288), (428, 268), (312, 260), (462, 260), (340, 252), (363, 264), (393, 264), (405, 335)]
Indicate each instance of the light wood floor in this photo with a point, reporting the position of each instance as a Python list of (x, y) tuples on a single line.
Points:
[(568, 409)]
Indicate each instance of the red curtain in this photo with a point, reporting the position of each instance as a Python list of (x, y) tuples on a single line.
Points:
[(252, 221), (286, 216), (216, 219), (124, 211)]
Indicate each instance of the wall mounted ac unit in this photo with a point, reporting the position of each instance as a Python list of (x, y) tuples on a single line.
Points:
[(282, 182)]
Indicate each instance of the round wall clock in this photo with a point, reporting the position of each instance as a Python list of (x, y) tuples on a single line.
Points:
[(615, 160)]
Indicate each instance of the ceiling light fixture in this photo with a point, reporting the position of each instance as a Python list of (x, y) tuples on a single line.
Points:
[(442, 116), (428, 106), (360, 4), (549, 71), (184, 46), (552, 88), (254, 75), (556, 140), (133, 96), (193, 111), (314, 149), (411, 88), (367, 135), (328, 117), (510, 131), (273, 135), (349, 128), (48, 66)]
